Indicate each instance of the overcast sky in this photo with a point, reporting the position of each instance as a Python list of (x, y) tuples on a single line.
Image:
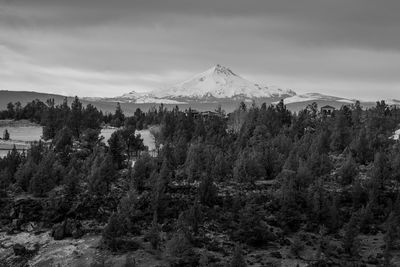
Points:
[(349, 48)]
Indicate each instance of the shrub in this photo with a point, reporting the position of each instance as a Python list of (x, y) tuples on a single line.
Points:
[(238, 259), (180, 251)]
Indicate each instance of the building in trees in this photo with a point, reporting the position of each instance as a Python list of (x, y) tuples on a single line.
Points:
[(327, 110)]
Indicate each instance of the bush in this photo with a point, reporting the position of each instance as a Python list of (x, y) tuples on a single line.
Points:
[(180, 251), (153, 235), (297, 246), (252, 229), (113, 230), (238, 259)]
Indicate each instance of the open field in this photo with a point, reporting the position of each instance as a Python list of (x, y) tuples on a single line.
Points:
[(24, 132)]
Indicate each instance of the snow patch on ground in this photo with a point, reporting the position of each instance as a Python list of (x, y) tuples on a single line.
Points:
[(396, 135), (315, 97)]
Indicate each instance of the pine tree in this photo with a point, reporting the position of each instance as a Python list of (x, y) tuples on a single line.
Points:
[(6, 135), (348, 171), (71, 182), (153, 235), (118, 119), (142, 171), (360, 148), (194, 164), (75, 117), (91, 118), (350, 241), (44, 178), (102, 173), (380, 171), (25, 173), (207, 190), (50, 121), (113, 230), (341, 133), (117, 149)]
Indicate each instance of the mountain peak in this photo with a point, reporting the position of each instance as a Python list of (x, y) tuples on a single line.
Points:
[(221, 70)]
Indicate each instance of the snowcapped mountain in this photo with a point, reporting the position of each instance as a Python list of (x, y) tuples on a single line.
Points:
[(220, 82), (216, 84)]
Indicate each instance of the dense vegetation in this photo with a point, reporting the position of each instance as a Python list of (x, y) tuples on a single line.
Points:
[(257, 176)]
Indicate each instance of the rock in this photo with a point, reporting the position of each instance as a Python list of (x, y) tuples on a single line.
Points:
[(285, 242), (68, 228), (28, 227), (15, 224), (58, 232), (276, 254), (372, 260), (19, 250), (77, 232)]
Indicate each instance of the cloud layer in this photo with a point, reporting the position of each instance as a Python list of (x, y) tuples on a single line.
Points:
[(106, 48)]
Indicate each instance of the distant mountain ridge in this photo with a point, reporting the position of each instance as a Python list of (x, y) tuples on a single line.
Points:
[(216, 87)]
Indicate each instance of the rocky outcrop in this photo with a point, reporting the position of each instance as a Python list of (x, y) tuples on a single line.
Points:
[(68, 228)]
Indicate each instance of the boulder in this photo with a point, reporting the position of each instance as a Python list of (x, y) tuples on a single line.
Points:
[(68, 228), (19, 250), (58, 232), (276, 254)]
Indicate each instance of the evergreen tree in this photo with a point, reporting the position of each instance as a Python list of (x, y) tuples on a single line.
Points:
[(348, 171), (360, 148), (10, 110), (142, 170), (153, 235), (113, 230), (117, 149), (380, 171), (25, 173), (101, 174), (63, 145), (91, 118), (207, 190), (71, 182), (75, 117), (44, 178), (350, 241), (118, 119), (50, 121), (194, 164), (6, 135), (341, 133)]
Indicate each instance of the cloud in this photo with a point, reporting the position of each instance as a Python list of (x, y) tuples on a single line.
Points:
[(108, 47)]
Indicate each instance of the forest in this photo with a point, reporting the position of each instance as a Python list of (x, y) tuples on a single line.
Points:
[(253, 187)]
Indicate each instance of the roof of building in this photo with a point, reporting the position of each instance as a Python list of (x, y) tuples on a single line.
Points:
[(327, 106)]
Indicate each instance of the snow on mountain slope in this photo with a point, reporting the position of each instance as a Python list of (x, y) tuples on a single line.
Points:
[(392, 102), (315, 97), (221, 82)]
